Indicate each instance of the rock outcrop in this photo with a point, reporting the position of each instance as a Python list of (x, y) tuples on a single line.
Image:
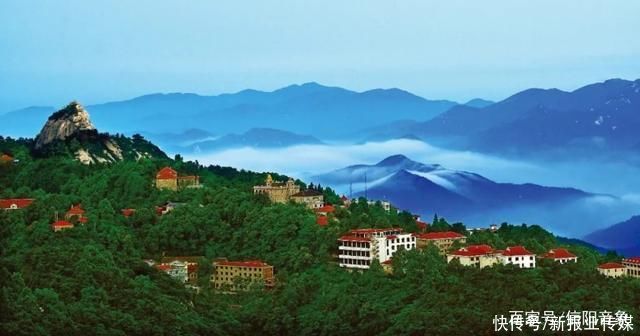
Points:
[(69, 132), (63, 124)]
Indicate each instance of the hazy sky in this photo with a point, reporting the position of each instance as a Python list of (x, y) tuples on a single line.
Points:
[(95, 51)]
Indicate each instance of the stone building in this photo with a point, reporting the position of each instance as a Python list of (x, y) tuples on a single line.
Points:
[(312, 199), (278, 192)]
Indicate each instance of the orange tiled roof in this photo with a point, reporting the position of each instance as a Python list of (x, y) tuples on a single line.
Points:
[(167, 173), (18, 202), (610, 265), (438, 235)]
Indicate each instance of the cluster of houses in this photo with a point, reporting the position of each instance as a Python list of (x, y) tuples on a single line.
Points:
[(356, 250), (226, 276)]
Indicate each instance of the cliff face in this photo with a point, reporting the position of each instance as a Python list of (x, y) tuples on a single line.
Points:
[(69, 132), (64, 124)]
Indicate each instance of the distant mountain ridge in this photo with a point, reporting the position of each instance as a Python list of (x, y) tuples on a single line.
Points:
[(596, 118), (427, 189), (623, 237), (255, 138)]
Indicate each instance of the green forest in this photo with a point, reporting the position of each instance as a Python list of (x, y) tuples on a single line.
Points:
[(91, 280)]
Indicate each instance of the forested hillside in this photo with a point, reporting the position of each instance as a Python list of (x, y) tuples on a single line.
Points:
[(91, 280)]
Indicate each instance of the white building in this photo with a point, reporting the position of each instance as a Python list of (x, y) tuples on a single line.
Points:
[(178, 270), (561, 255), (358, 248), (518, 256), (386, 205)]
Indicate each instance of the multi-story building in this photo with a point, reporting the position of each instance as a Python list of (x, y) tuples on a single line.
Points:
[(518, 256), (192, 265), (442, 240), (561, 255), (312, 199), (240, 275), (612, 270), (386, 205), (167, 178), (358, 248), (480, 256), (176, 269), (15, 203), (278, 192), (633, 266)]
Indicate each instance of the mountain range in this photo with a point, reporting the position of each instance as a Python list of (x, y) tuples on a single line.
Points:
[(596, 119), (311, 108), (432, 189)]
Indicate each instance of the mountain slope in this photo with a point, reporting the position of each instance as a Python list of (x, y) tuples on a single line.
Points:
[(597, 117), (623, 237), (428, 189), (70, 132)]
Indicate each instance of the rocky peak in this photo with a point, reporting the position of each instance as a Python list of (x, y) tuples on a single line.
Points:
[(63, 124)]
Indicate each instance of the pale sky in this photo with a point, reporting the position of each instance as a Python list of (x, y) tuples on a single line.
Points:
[(95, 51)]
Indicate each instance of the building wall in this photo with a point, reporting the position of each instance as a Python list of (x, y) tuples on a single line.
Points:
[(388, 247), (312, 202), (354, 254), (443, 245), (612, 272), (632, 269), (224, 276), (278, 194), (171, 184), (481, 261), (522, 261)]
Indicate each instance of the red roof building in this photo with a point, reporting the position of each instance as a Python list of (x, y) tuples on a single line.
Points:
[(76, 212), (61, 225), (612, 270), (439, 235), (633, 266), (6, 158), (325, 210), (473, 251), (322, 220), (516, 251), (610, 265), (561, 255), (166, 173), (226, 273), (15, 203)]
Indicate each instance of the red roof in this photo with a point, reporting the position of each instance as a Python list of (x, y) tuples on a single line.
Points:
[(62, 224), (473, 250), (559, 253), (516, 251), (610, 265), (391, 237), (15, 202), (83, 220), (163, 267), (128, 212), (327, 208), (439, 235), (322, 220), (75, 210), (632, 260), (387, 262), (250, 263), (354, 238), (6, 158), (167, 173), (191, 268)]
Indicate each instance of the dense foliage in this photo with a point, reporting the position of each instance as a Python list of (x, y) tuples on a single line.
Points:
[(91, 280)]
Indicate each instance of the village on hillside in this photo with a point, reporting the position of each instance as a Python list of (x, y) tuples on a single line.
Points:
[(356, 250)]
